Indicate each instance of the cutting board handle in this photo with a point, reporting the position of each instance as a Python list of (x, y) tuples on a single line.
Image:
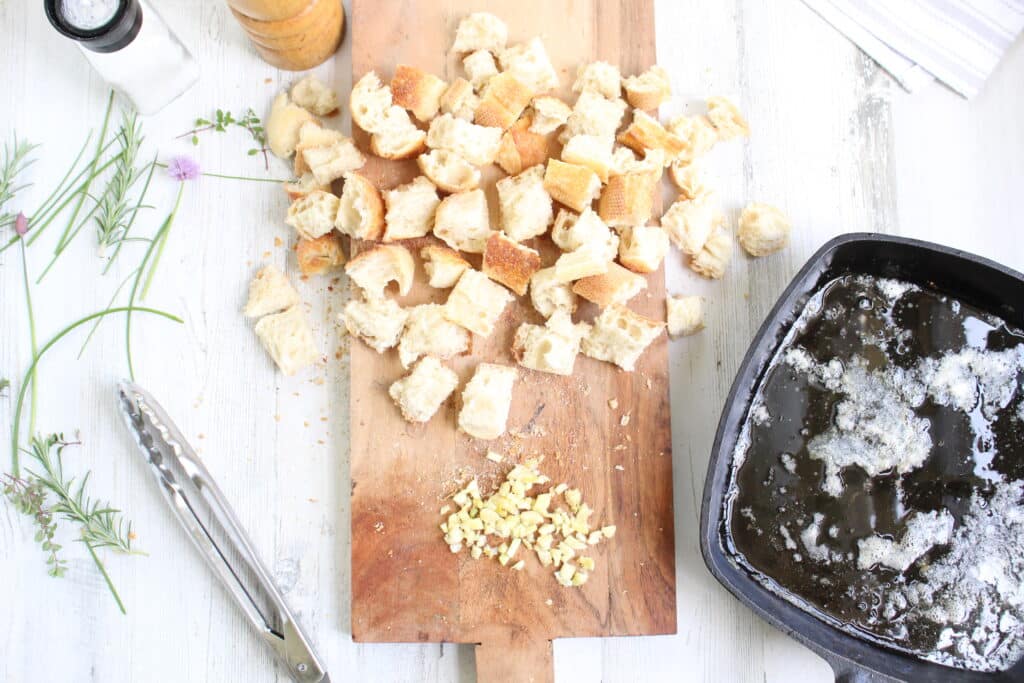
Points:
[(514, 656)]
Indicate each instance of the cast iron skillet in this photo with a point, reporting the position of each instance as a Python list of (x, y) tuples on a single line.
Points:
[(972, 279)]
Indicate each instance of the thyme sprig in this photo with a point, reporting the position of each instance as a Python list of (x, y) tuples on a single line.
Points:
[(29, 498), (223, 120), (13, 162)]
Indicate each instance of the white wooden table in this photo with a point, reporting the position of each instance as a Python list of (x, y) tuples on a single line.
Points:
[(835, 143)]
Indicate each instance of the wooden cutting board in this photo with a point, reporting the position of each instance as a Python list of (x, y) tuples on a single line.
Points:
[(406, 585)]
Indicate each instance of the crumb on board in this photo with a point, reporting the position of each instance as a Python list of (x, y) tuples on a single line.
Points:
[(624, 421), (613, 403)]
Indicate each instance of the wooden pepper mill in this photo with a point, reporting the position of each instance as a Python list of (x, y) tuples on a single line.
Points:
[(292, 34)]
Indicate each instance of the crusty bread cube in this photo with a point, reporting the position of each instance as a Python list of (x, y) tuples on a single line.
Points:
[(642, 248), (571, 184), (270, 292), (549, 114), (480, 67), (476, 303), (529, 63), (320, 255), (726, 118), (600, 77), (552, 347), (397, 136), (443, 266), (620, 336), (303, 186), (550, 295), (429, 333), (476, 144), (283, 125), (625, 162), (418, 91), (378, 323), (648, 90), (571, 231), (521, 148), (510, 263), (689, 223), (420, 393), (763, 229), (593, 115), (360, 209), (647, 133), (628, 199), (312, 134), (480, 31), (592, 151), (459, 100), (463, 221), (615, 286), (312, 95), (313, 215), (714, 256), (685, 315), (410, 210), (449, 171), (525, 204), (697, 134), (370, 102), (327, 164), (288, 339), (593, 258), (486, 401), (502, 101), (374, 268), (688, 178)]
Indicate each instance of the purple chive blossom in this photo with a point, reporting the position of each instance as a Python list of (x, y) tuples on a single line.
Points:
[(183, 168), (21, 224)]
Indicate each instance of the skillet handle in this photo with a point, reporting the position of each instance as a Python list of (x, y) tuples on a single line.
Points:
[(847, 671)]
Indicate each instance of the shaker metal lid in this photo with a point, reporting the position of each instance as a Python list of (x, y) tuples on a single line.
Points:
[(111, 36)]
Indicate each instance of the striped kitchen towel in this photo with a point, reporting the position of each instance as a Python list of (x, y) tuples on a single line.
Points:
[(959, 42)]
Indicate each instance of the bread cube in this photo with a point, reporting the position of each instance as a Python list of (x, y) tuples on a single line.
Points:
[(463, 222), (315, 97), (628, 199), (593, 258), (476, 144), (313, 215), (510, 263), (329, 163), (525, 205), (549, 114), (420, 393), (449, 171), (615, 286), (689, 222), (283, 125), (697, 134), (646, 132), (443, 266), (503, 100), (397, 136), (429, 333), (715, 255), (480, 67), (418, 91), (763, 229), (571, 231), (476, 303), (374, 268), (370, 102), (593, 115), (288, 339), (620, 336), (573, 185), (312, 134), (459, 100), (600, 77), (410, 210), (269, 292), (530, 65), (378, 323), (648, 90), (360, 209), (486, 401), (480, 31), (320, 255), (688, 178), (303, 186), (685, 315), (642, 248), (591, 151), (549, 295), (550, 348), (521, 148), (726, 118)]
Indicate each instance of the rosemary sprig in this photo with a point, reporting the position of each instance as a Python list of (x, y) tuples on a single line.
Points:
[(12, 164), (29, 498), (115, 209), (222, 120)]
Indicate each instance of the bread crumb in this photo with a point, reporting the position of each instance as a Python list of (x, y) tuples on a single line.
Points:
[(620, 468), (624, 420), (613, 403), (494, 457)]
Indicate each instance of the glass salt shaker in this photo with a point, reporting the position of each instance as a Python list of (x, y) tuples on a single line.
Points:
[(128, 44)]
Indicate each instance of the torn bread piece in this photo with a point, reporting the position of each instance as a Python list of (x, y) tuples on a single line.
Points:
[(480, 67), (420, 393), (320, 255), (571, 231), (653, 162), (645, 132), (521, 148), (283, 125), (480, 31), (642, 248), (410, 210), (628, 199), (476, 303), (648, 90), (615, 286), (726, 118), (502, 101), (378, 323), (459, 100), (312, 134), (329, 163), (370, 102), (360, 209), (486, 401), (549, 114), (462, 221), (620, 336), (713, 258), (571, 184), (397, 136), (476, 144), (524, 204), (269, 292), (374, 268), (592, 151), (763, 229), (688, 178), (530, 65), (599, 77), (288, 339), (429, 333), (550, 295), (551, 347), (593, 258), (685, 315), (689, 222), (311, 94), (510, 263), (593, 115), (449, 171), (443, 266), (697, 134), (313, 215), (303, 186), (417, 90)]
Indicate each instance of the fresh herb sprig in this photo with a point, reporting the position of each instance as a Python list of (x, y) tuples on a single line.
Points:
[(5, 384), (115, 208), (29, 498), (223, 120), (13, 162)]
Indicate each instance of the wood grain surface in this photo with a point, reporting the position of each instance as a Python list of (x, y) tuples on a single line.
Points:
[(406, 584)]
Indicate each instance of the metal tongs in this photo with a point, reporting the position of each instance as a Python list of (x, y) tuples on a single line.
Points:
[(209, 520)]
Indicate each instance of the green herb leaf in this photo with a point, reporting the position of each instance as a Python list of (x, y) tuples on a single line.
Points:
[(195, 140)]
